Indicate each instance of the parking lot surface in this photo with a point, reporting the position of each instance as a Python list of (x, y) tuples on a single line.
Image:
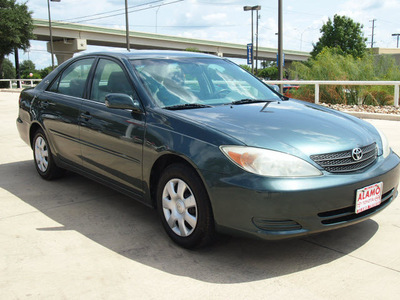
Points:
[(75, 239)]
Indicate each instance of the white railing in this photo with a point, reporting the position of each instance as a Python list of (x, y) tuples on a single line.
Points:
[(20, 80), (317, 83)]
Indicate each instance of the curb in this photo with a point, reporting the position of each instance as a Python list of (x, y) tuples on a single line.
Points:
[(376, 116), (16, 91)]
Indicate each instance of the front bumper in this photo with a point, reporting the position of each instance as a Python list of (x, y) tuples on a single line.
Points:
[(276, 208)]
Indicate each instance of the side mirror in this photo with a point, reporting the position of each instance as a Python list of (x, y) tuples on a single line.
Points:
[(122, 101)]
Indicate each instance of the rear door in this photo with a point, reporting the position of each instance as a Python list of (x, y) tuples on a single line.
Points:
[(59, 107), (112, 139)]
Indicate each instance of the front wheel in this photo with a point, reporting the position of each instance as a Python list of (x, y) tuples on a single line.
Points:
[(184, 207), (44, 162)]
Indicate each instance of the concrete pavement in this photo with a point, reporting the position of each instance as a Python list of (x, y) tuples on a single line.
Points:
[(75, 239)]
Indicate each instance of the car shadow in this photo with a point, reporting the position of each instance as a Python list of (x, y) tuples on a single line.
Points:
[(133, 230)]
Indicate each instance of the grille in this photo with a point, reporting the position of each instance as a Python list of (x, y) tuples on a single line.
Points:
[(347, 214), (276, 225), (342, 162)]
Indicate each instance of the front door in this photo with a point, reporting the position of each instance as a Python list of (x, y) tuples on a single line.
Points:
[(112, 139)]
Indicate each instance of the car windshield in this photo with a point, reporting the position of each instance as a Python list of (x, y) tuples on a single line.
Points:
[(175, 82)]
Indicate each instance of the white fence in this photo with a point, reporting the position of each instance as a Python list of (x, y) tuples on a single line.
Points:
[(23, 81), (317, 84)]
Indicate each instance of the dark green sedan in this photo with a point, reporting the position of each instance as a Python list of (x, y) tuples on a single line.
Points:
[(211, 147)]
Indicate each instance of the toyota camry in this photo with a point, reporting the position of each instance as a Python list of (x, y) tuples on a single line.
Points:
[(211, 147)]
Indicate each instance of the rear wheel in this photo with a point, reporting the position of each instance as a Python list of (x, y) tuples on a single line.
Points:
[(44, 161), (184, 207)]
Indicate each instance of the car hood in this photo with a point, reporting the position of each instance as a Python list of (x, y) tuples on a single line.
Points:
[(291, 126)]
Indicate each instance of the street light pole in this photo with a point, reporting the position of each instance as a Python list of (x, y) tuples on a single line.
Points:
[(252, 8), (51, 33), (257, 43), (301, 37), (158, 8), (252, 43)]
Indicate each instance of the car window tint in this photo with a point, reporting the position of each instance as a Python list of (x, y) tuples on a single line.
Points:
[(168, 81), (110, 78), (54, 85), (206, 81), (73, 79)]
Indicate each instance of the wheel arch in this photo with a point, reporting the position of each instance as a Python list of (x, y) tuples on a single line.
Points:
[(163, 162), (34, 127)]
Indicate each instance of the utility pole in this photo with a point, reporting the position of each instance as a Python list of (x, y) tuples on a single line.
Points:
[(128, 47), (397, 34), (280, 43), (17, 70), (373, 28)]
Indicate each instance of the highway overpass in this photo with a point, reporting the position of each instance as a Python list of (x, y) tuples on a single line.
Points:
[(69, 38)]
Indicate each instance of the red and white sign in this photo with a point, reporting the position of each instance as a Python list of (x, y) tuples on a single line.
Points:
[(369, 197)]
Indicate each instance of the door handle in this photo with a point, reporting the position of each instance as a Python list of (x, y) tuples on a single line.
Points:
[(86, 116), (45, 104)]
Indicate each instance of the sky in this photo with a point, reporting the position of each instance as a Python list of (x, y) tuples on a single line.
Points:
[(223, 21)]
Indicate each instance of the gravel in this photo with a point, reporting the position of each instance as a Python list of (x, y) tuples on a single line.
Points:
[(365, 108)]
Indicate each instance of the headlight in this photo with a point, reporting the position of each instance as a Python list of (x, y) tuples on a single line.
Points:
[(385, 144), (269, 163)]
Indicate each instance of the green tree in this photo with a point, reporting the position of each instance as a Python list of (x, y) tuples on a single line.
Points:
[(26, 67), (46, 71), (343, 34), (8, 70), (192, 49), (267, 64), (269, 73), (16, 28), (246, 67)]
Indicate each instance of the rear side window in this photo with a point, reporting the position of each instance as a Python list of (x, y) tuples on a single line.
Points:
[(72, 80)]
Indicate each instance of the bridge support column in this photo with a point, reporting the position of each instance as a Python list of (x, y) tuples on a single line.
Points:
[(66, 48)]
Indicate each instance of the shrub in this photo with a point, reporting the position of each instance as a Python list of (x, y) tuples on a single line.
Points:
[(269, 73), (330, 64)]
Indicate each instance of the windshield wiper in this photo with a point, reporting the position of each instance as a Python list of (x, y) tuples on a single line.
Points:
[(246, 101), (186, 106)]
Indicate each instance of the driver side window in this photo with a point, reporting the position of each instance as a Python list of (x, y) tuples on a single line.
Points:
[(110, 78)]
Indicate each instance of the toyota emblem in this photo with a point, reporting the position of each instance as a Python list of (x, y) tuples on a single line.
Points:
[(357, 154)]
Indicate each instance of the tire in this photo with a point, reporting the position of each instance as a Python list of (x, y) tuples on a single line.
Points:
[(44, 162), (184, 207)]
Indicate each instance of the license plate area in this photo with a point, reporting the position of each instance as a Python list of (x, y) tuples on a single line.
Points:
[(368, 197)]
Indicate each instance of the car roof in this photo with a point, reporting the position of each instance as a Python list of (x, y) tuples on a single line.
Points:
[(142, 54)]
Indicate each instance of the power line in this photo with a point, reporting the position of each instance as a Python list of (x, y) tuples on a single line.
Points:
[(389, 22), (109, 12), (236, 3), (122, 13), (105, 13), (169, 26)]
